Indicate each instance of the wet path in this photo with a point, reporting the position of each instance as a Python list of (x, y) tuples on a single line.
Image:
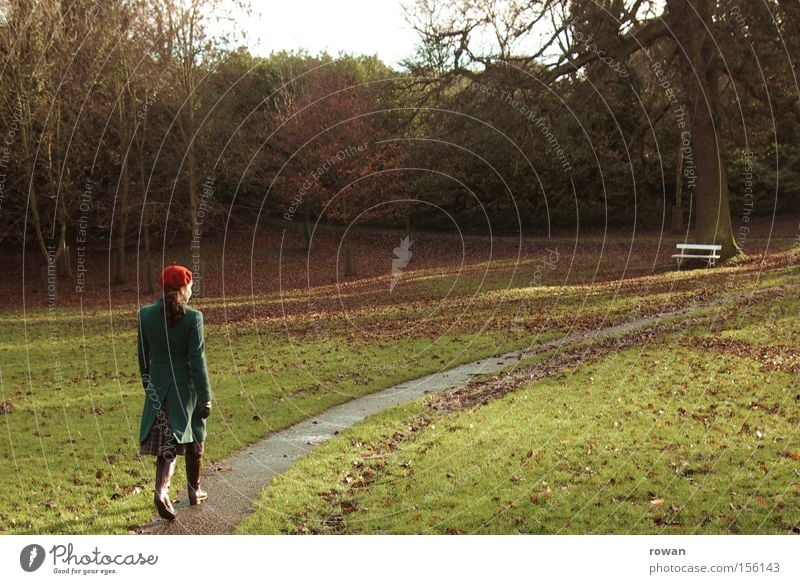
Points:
[(233, 489)]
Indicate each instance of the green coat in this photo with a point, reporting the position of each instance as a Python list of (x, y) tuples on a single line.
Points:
[(172, 363)]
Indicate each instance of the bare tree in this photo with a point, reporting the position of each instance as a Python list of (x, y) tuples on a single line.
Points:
[(192, 52), (458, 38)]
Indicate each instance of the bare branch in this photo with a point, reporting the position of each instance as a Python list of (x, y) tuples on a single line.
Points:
[(645, 35)]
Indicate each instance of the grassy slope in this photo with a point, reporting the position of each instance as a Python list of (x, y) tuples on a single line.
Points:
[(74, 469), (664, 438)]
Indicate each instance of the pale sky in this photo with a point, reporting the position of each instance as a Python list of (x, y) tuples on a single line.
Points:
[(352, 26)]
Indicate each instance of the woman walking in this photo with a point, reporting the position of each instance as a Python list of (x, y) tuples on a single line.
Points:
[(172, 363)]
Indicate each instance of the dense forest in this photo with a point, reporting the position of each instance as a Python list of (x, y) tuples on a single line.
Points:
[(130, 123)]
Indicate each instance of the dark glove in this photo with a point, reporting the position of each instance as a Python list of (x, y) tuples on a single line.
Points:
[(205, 410)]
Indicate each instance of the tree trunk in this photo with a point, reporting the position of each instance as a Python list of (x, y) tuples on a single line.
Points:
[(307, 230), (63, 261), (26, 127), (701, 84), (677, 209), (190, 88), (36, 219), (192, 170), (149, 276), (349, 261), (122, 227)]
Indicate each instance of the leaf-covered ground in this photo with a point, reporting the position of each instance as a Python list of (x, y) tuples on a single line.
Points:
[(70, 396), (676, 429)]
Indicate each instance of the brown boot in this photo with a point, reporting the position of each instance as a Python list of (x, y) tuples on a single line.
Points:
[(194, 462), (164, 469)]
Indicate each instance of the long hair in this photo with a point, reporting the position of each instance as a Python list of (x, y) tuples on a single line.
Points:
[(174, 306)]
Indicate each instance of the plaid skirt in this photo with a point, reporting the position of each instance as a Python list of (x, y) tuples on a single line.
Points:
[(160, 441)]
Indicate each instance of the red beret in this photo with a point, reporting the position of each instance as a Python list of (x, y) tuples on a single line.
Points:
[(175, 277)]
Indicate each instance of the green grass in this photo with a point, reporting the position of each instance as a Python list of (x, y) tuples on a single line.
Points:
[(654, 439), (70, 443)]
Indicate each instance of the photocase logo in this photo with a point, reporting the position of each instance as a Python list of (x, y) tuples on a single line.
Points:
[(31, 557), (403, 254)]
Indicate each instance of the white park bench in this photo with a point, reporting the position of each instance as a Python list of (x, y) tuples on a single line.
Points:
[(702, 251)]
